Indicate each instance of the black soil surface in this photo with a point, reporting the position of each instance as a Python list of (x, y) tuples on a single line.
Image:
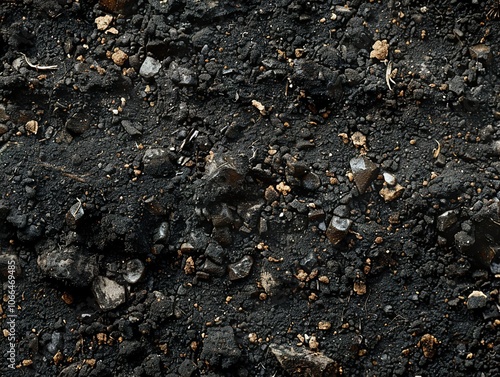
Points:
[(249, 188)]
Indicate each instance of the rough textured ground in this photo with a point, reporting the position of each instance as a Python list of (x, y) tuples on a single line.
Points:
[(254, 188)]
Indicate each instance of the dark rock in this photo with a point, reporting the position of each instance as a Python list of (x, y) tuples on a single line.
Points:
[(157, 162), (476, 300), (152, 365), (216, 253), (187, 368), (250, 212), (74, 215), (464, 241), (364, 171), (240, 269), (316, 215), (182, 76), (446, 220), (338, 229), (130, 128), (220, 348), (213, 268), (223, 235), (108, 293), (4, 210), (78, 123), (69, 264), (221, 215), (161, 309), (130, 348), (304, 363), (223, 175), (311, 181), (17, 219)]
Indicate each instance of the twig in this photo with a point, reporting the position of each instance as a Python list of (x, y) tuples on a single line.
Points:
[(64, 172), (39, 67), (388, 73)]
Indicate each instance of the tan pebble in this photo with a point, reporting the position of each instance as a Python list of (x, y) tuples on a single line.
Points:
[(313, 343), (119, 57), (324, 279), (324, 325), (27, 362)]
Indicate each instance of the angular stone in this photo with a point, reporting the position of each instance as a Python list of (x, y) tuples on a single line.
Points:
[(108, 293), (130, 128), (481, 52), (299, 362), (213, 268), (240, 269), (68, 264), (149, 67), (162, 307), (446, 220), (157, 162), (364, 171), (216, 253), (338, 229), (271, 194), (220, 348), (476, 300)]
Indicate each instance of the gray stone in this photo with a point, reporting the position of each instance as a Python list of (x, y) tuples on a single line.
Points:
[(149, 67), (456, 85), (108, 293), (133, 271), (463, 241), (311, 181), (301, 362), (162, 233), (130, 128), (220, 348), (68, 264), (364, 171), (17, 219), (476, 300), (338, 229), (240, 269)]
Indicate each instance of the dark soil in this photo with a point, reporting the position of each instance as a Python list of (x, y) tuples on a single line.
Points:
[(250, 188)]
